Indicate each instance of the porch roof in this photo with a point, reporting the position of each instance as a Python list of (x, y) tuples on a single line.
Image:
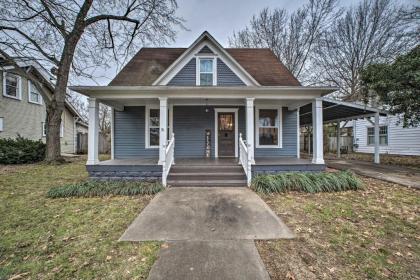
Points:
[(220, 92), (335, 110)]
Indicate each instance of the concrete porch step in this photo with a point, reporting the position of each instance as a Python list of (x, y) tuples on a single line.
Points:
[(206, 183), (206, 169), (204, 176)]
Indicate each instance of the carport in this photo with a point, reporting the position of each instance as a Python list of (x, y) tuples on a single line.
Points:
[(335, 111)]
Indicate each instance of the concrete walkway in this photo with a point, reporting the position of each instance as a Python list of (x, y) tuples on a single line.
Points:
[(395, 174), (210, 233)]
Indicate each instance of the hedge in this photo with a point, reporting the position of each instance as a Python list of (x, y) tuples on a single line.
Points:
[(21, 150)]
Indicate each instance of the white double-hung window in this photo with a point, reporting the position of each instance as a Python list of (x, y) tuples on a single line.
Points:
[(268, 128), (33, 94), (12, 85), (153, 126), (206, 71)]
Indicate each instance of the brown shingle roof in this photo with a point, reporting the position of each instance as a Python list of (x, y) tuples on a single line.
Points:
[(149, 63)]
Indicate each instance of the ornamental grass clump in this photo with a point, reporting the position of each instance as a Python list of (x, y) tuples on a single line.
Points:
[(94, 188), (310, 182)]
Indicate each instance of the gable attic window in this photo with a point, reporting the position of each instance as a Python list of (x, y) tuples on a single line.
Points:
[(206, 68), (33, 94), (12, 86)]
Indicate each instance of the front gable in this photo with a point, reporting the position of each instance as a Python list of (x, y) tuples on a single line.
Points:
[(226, 71)]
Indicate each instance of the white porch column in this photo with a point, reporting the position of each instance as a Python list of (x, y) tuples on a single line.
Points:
[(338, 140), (250, 134), (93, 132), (163, 130), (112, 132), (317, 128), (376, 136)]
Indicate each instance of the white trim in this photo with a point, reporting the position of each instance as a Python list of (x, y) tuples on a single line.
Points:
[(279, 126), (112, 133), (205, 39), (44, 129), (29, 94), (146, 126), (19, 84), (216, 127), (1, 124)]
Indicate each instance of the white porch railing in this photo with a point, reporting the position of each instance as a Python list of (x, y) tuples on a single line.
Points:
[(245, 159), (169, 159)]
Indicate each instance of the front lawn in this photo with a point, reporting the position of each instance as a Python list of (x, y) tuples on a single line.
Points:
[(75, 238), (372, 233)]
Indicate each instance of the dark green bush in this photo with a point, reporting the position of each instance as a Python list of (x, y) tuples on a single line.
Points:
[(93, 188), (21, 150), (306, 182)]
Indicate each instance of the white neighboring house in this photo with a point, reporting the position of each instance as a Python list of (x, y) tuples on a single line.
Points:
[(23, 110), (393, 138)]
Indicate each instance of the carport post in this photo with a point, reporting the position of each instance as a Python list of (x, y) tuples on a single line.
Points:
[(338, 140), (376, 135)]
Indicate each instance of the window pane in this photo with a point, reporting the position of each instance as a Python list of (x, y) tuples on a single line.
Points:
[(154, 117), (383, 130), (154, 137), (371, 140), (206, 79), (206, 65), (268, 117), (226, 122), (35, 97), (383, 140), (370, 131), (268, 136), (11, 85)]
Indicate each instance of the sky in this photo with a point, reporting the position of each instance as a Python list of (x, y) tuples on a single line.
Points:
[(221, 18)]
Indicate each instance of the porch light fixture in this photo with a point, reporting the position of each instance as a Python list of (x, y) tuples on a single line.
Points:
[(207, 107)]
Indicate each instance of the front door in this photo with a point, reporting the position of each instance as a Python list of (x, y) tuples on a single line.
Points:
[(226, 134)]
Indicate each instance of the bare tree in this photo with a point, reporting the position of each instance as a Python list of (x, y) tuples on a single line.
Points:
[(375, 31), (74, 37), (290, 36)]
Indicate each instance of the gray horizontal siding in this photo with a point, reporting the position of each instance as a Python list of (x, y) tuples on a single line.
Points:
[(289, 138), (186, 76), (225, 76), (190, 124), (129, 138)]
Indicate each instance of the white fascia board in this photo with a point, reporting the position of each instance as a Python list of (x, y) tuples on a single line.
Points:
[(205, 40)]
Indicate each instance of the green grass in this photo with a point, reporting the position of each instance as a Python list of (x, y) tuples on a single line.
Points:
[(372, 233), (310, 182), (91, 188), (43, 238)]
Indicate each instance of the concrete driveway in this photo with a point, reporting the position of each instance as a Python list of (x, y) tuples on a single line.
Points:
[(200, 214), (395, 174)]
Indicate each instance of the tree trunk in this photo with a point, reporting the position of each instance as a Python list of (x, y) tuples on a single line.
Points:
[(53, 123)]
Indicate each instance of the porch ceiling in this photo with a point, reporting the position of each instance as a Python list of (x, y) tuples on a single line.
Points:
[(334, 110)]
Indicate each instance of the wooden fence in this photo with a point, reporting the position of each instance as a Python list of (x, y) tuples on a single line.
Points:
[(104, 143)]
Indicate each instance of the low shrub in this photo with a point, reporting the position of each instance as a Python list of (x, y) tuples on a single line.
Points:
[(21, 150), (310, 182), (93, 188)]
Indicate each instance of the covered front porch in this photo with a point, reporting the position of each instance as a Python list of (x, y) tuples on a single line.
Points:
[(154, 128)]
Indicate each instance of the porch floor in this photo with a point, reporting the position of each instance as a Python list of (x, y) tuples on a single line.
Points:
[(209, 161)]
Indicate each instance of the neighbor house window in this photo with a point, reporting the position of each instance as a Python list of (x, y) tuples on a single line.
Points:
[(34, 95), (44, 129), (153, 127), (268, 123), (1, 124), (206, 71), (11, 85), (383, 135)]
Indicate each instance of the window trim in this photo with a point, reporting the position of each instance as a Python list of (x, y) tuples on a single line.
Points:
[(19, 83), (1, 124), (146, 126), (387, 135), (44, 129), (30, 84), (279, 126), (206, 57)]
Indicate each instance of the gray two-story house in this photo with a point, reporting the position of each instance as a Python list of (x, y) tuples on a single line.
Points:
[(203, 115), (23, 111)]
